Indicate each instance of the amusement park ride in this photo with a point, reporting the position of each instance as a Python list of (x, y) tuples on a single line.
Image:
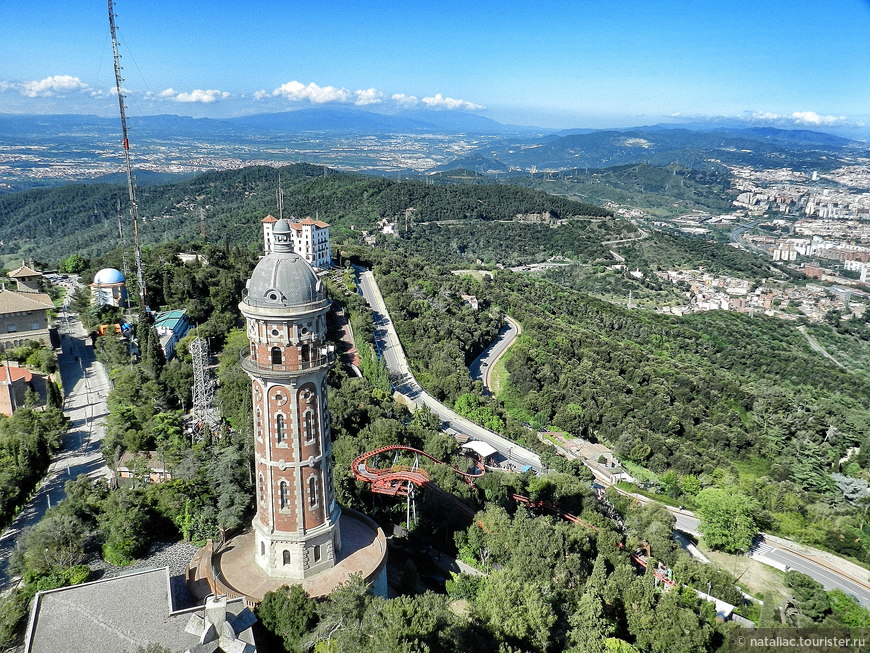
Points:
[(400, 480)]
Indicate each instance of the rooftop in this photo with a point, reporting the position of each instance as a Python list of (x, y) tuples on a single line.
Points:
[(14, 302), (15, 373), (307, 222), (119, 614), (24, 272), (170, 319)]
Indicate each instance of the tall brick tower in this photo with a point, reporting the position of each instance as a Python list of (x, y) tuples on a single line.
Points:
[(297, 522)]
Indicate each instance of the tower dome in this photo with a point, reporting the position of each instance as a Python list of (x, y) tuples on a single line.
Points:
[(108, 276), (282, 278)]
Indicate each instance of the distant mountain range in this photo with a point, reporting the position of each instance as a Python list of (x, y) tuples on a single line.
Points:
[(344, 120), (502, 149), (305, 120)]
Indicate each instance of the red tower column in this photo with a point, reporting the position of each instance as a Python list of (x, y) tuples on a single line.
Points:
[(285, 307)]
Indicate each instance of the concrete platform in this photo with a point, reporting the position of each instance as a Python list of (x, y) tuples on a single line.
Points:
[(363, 550)]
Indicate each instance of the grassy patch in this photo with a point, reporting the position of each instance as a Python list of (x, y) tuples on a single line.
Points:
[(642, 474), (752, 576), (659, 498), (754, 467)]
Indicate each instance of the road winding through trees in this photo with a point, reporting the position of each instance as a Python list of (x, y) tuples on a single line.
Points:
[(86, 387), (832, 572)]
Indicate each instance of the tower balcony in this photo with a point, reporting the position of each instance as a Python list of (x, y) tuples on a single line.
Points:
[(321, 358)]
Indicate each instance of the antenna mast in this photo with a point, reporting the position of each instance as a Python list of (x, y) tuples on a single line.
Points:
[(131, 188), (123, 243)]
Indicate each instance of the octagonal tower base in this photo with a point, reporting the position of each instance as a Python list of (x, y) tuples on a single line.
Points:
[(232, 569)]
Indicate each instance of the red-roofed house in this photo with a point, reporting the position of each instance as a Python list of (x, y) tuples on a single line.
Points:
[(268, 224), (310, 240), (14, 383)]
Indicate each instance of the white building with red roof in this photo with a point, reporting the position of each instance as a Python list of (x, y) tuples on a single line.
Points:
[(310, 240)]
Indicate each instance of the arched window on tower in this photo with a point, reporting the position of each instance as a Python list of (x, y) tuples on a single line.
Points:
[(276, 356), (305, 354), (282, 495), (309, 426), (312, 491), (280, 432), (286, 557), (262, 488)]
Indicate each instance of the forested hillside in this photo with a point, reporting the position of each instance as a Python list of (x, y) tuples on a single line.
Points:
[(730, 400), (53, 223)]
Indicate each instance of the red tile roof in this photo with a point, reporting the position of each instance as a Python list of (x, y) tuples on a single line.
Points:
[(269, 218), (308, 221), (16, 373)]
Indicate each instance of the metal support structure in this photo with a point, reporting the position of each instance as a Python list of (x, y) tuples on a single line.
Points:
[(131, 187), (204, 412)]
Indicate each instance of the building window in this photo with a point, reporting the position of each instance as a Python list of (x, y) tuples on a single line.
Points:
[(316, 553), (312, 491), (282, 494), (263, 549), (276, 356), (309, 427), (280, 429), (262, 489), (286, 557)]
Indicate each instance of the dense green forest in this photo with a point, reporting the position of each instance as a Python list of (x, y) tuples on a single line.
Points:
[(736, 402), (710, 409), (50, 224), (665, 191)]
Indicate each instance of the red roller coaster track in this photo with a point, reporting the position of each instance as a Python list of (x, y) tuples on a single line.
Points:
[(394, 481)]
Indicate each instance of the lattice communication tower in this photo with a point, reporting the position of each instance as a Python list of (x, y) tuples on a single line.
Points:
[(205, 413)]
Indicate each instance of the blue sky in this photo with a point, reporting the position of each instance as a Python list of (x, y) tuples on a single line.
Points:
[(578, 63)]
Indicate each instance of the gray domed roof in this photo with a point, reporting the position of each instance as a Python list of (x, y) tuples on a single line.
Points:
[(283, 279)]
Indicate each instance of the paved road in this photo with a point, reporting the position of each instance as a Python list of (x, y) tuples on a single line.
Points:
[(778, 556), (86, 387), (481, 367), (389, 345), (817, 347), (387, 342), (736, 236)]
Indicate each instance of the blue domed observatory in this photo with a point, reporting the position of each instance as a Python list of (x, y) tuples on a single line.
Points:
[(109, 289)]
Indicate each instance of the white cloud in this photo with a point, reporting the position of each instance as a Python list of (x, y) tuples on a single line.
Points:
[(205, 97), (369, 96), (6, 86), (405, 100), (297, 92), (259, 95), (55, 85), (812, 118), (439, 102), (800, 118)]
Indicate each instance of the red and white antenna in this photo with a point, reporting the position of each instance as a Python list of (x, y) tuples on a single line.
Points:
[(131, 187)]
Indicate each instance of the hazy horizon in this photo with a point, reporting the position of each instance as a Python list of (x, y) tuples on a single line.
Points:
[(569, 65)]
